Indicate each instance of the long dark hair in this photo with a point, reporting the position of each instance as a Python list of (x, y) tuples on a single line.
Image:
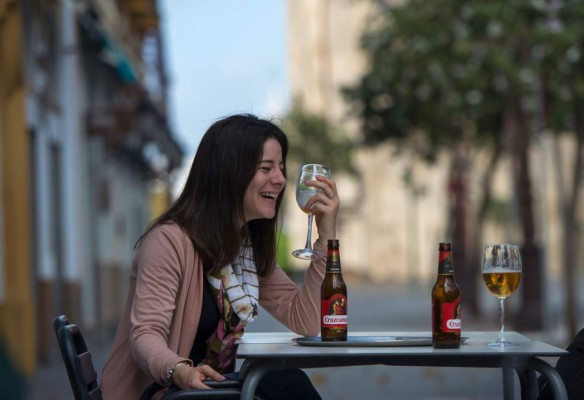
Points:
[(210, 206)]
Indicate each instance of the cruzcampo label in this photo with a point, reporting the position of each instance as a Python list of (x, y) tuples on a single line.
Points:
[(334, 312)]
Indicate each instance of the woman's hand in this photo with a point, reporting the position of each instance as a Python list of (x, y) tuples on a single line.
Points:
[(325, 207), (186, 377)]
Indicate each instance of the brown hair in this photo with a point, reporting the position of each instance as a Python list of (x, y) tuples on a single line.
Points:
[(210, 206)]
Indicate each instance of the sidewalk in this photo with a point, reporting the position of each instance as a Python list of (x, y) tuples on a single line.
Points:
[(370, 308)]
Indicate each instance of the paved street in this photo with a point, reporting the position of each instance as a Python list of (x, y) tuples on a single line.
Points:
[(372, 309)]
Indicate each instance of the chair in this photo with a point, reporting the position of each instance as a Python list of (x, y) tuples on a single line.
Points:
[(83, 378), (77, 358)]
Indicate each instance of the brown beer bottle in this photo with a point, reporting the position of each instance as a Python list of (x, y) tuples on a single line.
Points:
[(445, 303), (333, 298)]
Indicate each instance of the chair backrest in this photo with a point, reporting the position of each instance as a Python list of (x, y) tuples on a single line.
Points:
[(77, 358)]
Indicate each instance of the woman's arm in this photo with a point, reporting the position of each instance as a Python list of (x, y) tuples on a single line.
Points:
[(298, 308), (160, 260)]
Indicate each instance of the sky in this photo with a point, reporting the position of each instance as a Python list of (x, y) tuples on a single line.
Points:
[(222, 57)]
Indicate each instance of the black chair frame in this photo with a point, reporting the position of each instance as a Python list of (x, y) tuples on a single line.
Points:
[(77, 358), (226, 390)]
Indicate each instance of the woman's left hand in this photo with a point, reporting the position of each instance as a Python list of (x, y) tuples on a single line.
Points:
[(325, 206)]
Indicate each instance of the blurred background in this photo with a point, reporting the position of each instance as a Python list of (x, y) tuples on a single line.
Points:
[(442, 121)]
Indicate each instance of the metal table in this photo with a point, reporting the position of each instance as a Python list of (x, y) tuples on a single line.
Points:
[(264, 352)]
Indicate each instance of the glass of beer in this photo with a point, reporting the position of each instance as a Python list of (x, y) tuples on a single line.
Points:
[(308, 172), (501, 274)]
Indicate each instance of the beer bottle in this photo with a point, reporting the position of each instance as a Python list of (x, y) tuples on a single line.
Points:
[(333, 296), (445, 303)]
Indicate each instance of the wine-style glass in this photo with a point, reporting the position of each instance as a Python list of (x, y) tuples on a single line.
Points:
[(308, 172), (501, 274)]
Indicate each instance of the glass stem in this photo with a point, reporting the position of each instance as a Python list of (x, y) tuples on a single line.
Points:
[(502, 319), (308, 244)]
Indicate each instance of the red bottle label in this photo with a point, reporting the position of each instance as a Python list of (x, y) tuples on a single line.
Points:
[(334, 312), (451, 317)]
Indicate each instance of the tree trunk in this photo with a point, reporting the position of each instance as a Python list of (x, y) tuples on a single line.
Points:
[(570, 212), (531, 316), (475, 251), (466, 269)]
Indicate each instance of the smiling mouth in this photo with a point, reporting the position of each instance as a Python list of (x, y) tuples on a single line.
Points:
[(271, 196)]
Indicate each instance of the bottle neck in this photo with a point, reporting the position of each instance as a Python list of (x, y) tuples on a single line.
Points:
[(445, 264), (333, 261)]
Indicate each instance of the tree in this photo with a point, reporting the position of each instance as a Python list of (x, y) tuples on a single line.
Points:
[(562, 86), (315, 139), (456, 74)]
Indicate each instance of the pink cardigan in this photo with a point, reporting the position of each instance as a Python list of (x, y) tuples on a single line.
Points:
[(164, 304)]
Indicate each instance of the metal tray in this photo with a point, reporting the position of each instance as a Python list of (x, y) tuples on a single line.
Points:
[(368, 341)]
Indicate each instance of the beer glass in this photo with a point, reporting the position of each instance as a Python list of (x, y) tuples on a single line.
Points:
[(308, 172), (501, 274)]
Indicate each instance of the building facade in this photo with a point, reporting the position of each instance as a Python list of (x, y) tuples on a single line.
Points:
[(84, 135)]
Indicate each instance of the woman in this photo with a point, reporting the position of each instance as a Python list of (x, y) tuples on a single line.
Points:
[(201, 268)]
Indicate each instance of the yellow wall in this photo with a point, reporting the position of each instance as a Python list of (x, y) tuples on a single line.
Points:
[(160, 198), (17, 326)]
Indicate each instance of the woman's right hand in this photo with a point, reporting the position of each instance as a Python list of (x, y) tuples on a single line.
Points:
[(186, 377), (325, 207)]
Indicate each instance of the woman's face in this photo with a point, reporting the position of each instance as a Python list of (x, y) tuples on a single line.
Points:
[(259, 200)]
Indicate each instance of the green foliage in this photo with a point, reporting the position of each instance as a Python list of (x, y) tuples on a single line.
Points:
[(313, 139), (445, 70), (563, 65), (498, 211), (12, 381), (283, 253)]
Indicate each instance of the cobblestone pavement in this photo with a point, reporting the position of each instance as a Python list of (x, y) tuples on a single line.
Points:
[(371, 308)]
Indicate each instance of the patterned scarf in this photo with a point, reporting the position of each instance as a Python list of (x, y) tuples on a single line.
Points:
[(235, 289)]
